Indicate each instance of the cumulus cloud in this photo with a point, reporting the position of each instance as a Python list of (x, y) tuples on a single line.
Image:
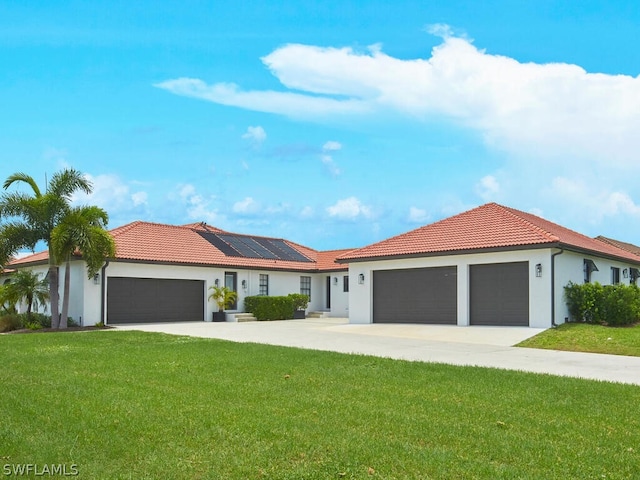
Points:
[(247, 206), (256, 135), (327, 157), (487, 188), (580, 196), (547, 110), (418, 215), (111, 193), (349, 209), (198, 207)]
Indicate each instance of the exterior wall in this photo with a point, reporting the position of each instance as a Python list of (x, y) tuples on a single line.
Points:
[(361, 299), (570, 268), (339, 298), (280, 283)]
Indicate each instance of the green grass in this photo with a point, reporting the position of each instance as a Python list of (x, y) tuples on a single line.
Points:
[(144, 405), (582, 337)]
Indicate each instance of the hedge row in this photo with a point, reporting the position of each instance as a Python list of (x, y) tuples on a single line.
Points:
[(612, 305), (34, 321), (275, 308)]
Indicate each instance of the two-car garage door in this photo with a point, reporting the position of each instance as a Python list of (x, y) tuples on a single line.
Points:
[(498, 295), (144, 300)]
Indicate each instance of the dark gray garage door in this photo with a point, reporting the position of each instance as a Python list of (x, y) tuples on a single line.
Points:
[(417, 295), (145, 300), (500, 294)]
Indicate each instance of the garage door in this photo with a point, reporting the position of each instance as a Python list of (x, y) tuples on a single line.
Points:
[(500, 294), (417, 295), (145, 300)]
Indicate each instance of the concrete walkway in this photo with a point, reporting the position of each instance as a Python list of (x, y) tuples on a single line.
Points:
[(478, 346)]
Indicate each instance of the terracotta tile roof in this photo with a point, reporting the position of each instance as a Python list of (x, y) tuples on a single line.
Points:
[(327, 260), (629, 247), (489, 226), (171, 244)]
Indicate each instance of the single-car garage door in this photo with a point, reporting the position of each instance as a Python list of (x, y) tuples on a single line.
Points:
[(500, 294), (417, 295), (145, 300)]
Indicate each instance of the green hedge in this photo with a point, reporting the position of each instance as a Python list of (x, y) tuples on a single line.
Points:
[(612, 305), (269, 308)]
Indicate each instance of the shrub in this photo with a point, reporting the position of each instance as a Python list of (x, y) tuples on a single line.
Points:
[(612, 305), (300, 300), (269, 308), (10, 321)]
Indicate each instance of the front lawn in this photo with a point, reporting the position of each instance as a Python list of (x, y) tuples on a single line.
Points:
[(119, 404), (582, 337)]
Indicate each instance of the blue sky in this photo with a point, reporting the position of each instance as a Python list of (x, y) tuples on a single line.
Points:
[(336, 123)]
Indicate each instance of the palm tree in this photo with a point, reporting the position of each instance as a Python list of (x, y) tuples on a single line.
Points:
[(26, 286), (32, 219), (82, 231)]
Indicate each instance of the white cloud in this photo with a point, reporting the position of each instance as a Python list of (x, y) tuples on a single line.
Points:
[(197, 206), (580, 196), (418, 215), (248, 206), (542, 110), (487, 188), (256, 135), (285, 103), (307, 212), (331, 146), (327, 159), (330, 165), (112, 194), (349, 209), (139, 198)]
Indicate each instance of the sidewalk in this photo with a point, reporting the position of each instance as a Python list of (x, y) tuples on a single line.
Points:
[(469, 346)]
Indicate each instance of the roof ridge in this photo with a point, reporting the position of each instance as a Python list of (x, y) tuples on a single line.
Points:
[(537, 228)]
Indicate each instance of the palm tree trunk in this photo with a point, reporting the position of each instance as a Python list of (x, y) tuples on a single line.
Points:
[(65, 296), (54, 296)]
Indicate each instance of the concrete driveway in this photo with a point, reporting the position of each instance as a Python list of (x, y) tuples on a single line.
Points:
[(476, 346)]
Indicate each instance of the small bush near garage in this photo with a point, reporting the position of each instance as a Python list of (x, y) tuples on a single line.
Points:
[(612, 305), (10, 321), (269, 308), (33, 321)]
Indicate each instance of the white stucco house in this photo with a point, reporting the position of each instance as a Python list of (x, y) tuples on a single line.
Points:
[(164, 272), (491, 265)]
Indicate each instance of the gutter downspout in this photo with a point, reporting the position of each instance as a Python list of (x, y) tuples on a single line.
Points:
[(553, 286), (103, 289)]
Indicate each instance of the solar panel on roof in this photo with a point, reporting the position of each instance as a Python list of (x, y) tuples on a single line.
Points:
[(220, 244), (236, 242), (282, 249), (253, 247), (260, 249)]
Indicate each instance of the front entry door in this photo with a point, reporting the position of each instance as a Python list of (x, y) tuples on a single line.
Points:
[(231, 282), (328, 293)]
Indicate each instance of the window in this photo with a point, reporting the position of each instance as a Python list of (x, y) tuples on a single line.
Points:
[(634, 273), (264, 284), (615, 275), (345, 283), (305, 286), (589, 267)]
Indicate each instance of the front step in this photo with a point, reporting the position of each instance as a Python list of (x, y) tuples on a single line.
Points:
[(244, 317), (317, 314)]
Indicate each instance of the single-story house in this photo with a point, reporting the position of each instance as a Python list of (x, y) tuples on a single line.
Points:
[(164, 272), (491, 265)]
